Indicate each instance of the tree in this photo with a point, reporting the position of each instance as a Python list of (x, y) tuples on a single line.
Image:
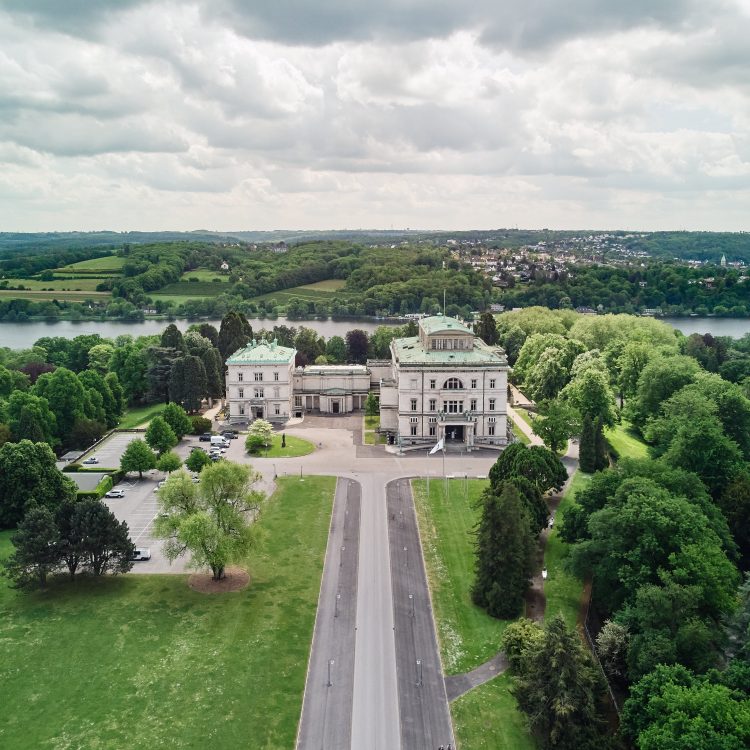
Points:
[(612, 647), (520, 640), (118, 394), (537, 464), (188, 382), (67, 399), (336, 350), (372, 407), (36, 549), (30, 418), (5, 435), (93, 381), (587, 446), (28, 474), (734, 502), (214, 368), (211, 522), (208, 331), (486, 329), (590, 394), (99, 356), (176, 417), (356, 346), (559, 422), (200, 425), (160, 362), (259, 436), (130, 364), (160, 436), (137, 457), (171, 338), (71, 549), (169, 462), (558, 690), (233, 335), (86, 432), (309, 346), (106, 543), (504, 553), (197, 460)]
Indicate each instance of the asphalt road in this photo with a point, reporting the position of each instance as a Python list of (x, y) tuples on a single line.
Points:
[(326, 721), (423, 704)]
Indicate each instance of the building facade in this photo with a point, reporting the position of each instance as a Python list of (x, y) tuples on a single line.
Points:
[(445, 384), (259, 382), (330, 389)]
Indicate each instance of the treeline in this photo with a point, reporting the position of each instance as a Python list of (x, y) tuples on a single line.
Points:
[(664, 539), (677, 290)]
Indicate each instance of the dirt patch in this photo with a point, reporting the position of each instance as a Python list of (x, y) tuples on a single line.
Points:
[(235, 579)]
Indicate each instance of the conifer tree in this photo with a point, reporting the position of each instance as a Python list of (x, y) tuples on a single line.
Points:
[(504, 551), (601, 455), (587, 447)]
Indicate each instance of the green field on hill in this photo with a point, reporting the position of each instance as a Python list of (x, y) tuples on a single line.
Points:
[(205, 274), (87, 284), (109, 265), (188, 289), (62, 296)]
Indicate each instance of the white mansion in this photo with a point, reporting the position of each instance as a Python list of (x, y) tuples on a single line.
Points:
[(443, 383)]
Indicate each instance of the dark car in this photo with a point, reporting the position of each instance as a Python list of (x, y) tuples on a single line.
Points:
[(230, 434), (205, 437)]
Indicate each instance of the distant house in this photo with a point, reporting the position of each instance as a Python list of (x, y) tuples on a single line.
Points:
[(224, 266)]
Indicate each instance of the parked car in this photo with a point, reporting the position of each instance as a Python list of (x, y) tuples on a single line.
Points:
[(115, 493), (205, 437), (219, 440), (197, 448), (230, 434), (141, 553), (92, 460), (216, 456)]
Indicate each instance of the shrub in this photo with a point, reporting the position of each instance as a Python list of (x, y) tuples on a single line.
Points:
[(201, 425)]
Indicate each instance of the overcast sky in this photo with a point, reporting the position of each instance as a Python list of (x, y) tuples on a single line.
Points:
[(431, 114)]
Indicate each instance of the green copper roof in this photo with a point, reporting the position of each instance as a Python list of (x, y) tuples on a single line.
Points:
[(410, 351), (262, 353), (441, 324)]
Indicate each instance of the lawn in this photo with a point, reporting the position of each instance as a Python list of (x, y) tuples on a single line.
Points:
[(524, 414), (87, 284), (328, 285), (520, 434), (468, 635), (372, 423), (108, 264), (486, 718), (370, 435), (294, 447), (39, 295), (191, 289), (205, 274), (562, 589), (136, 416), (625, 441), (144, 661)]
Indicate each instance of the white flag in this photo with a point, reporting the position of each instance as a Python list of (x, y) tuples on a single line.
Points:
[(438, 447)]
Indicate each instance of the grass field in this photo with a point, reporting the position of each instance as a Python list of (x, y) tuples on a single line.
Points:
[(135, 417), (204, 274), (562, 589), (520, 434), (39, 295), (370, 434), (294, 447), (524, 414), (109, 264), (145, 661), (468, 635), (328, 285), (486, 718), (625, 441), (192, 289), (88, 284)]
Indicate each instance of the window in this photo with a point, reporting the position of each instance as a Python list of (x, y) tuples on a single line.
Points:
[(277, 408), (258, 377), (240, 393), (258, 393), (453, 384), (473, 383), (473, 404), (432, 420), (414, 420), (242, 408), (491, 429), (492, 383), (413, 430), (432, 384), (492, 420), (275, 374), (240, 376), (414, 404), (492, 404), (453, 407), (432, 430), (433, 404), (298, 401)]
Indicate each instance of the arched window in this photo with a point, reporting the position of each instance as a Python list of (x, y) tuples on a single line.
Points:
[(453, 384)]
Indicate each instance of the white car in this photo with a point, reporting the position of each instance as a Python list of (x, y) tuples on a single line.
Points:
[(115, 493), (141, 553), (92, 460)]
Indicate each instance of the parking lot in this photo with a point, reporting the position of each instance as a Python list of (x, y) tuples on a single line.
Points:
[(109, 452)]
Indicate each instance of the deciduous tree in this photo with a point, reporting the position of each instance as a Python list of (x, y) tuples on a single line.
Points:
[(160, 436), (139, 457)]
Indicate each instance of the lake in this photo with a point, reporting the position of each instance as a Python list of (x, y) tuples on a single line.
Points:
[(23, 335)]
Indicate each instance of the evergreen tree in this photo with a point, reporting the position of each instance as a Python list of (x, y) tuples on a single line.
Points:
[(601, 454), (160, 436), (233, 334), (504, 553), (118, 394), (558, 691), (36, 551), (160, 361), (188, 382), (371, 405), (106, 544), (171, 338), (208, 331), (214, 373), (587, 446), (486, 329)]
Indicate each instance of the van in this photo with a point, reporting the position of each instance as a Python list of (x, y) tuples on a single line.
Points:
[(219, 440)]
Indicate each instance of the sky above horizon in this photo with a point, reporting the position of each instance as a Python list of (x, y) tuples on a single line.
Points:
[(345, 114)]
